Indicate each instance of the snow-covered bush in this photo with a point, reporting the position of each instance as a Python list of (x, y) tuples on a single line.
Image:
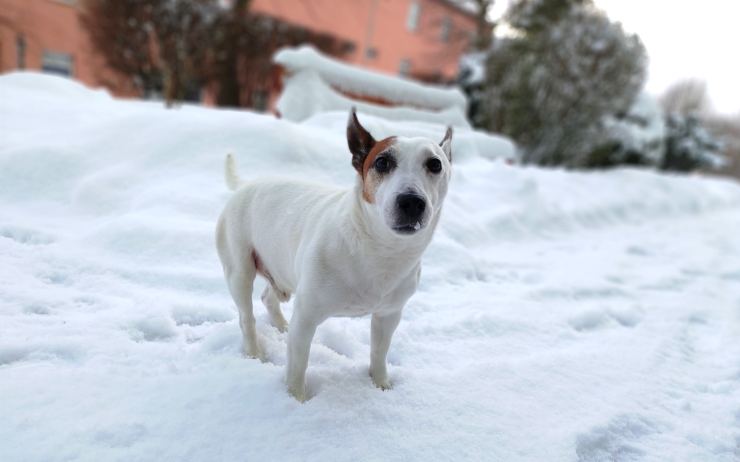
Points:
[(689, 146), (645, 135), (551, 85), (636, 137), (471, 78), (532, 16)]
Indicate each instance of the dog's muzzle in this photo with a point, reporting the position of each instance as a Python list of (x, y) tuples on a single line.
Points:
[(410, 209)]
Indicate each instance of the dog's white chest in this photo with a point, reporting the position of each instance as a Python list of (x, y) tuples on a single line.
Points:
[(385, 295), (365, 305)]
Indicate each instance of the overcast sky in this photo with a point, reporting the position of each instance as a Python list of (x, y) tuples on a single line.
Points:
[(684, 39)]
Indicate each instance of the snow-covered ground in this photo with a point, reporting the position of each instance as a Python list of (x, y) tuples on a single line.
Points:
[(561, 316)]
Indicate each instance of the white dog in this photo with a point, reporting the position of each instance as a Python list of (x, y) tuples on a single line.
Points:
[(342, 252)]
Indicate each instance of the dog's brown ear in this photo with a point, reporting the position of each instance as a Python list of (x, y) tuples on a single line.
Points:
[(446, 143), (359, 140)]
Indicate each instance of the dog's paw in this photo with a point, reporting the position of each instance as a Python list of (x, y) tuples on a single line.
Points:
[(280, 325), (254, 352), (381, 382), (299, 393)]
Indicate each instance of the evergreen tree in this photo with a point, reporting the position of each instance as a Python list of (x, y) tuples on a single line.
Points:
[(551, 84), (689, 146)]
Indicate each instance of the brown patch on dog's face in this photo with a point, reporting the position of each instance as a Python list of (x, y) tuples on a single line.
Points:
[(371, 178)]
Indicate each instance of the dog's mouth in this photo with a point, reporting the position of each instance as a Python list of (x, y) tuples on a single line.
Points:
[(407, 229)]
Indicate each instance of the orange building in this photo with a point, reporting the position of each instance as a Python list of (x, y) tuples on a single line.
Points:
[(422, 39), (47, 36)]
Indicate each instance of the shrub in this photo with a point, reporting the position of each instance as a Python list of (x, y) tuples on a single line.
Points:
[(551, 85)]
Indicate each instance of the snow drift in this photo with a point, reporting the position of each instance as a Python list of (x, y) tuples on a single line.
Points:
[(314, 83), (561, 316), (358, 81)]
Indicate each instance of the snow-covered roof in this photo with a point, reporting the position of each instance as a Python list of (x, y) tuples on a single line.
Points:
[(358, 81)]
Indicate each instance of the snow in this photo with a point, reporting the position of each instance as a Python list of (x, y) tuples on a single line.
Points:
[(642, 130), (306, 93), (359, 81), (473, 68), (561, 315)]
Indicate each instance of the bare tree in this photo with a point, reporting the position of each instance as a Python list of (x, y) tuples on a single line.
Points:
[(686, 97), (171, 47), (181, 29), (484, 26), (122, 32), (241, 46)]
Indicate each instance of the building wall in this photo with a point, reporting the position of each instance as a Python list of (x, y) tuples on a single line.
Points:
[(52, 27), (383, 25)]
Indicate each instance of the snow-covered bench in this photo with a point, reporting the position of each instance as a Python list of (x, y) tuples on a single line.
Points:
[(314, 83)]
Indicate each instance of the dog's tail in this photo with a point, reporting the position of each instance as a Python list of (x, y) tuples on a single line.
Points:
[(230, 174)]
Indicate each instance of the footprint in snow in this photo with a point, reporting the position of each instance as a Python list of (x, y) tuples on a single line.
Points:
[(618, 440), (593, 319), (153, 329), (199, 315), (37, 308), (13, 353), (25, 236), (120, 436)]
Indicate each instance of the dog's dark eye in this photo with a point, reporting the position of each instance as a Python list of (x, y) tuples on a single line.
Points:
[(434, 165), (382, 164)]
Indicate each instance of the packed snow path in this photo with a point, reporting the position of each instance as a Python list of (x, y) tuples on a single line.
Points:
[(561, 316)]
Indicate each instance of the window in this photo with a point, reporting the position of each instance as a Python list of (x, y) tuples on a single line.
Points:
[(191, 92), (260, 100), (348, 48), (446, 29), (412, 21), (57, 63), (20, 52), (404, 67)]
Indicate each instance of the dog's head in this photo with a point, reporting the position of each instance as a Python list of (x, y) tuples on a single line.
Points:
[(403, 179)]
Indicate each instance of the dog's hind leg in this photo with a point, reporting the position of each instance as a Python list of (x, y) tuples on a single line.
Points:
[(241, 282), (272, 303)]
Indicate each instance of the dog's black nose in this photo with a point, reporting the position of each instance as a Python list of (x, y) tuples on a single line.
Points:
[(411, 207)]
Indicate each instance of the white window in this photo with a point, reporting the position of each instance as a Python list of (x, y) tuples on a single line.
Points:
[(446, 29), (412, 21), (20, 52), (260, 99), (57, 63), (404, 67)]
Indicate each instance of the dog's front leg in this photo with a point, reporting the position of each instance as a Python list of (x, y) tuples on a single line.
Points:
[(382, 328), (300, 333)]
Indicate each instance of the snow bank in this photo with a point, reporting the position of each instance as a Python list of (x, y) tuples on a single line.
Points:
[(358, 81), (312, 81), (561, 315), (467, 143), (306, 94)]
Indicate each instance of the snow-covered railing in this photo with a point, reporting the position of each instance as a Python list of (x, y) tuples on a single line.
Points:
[(316, 83)]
